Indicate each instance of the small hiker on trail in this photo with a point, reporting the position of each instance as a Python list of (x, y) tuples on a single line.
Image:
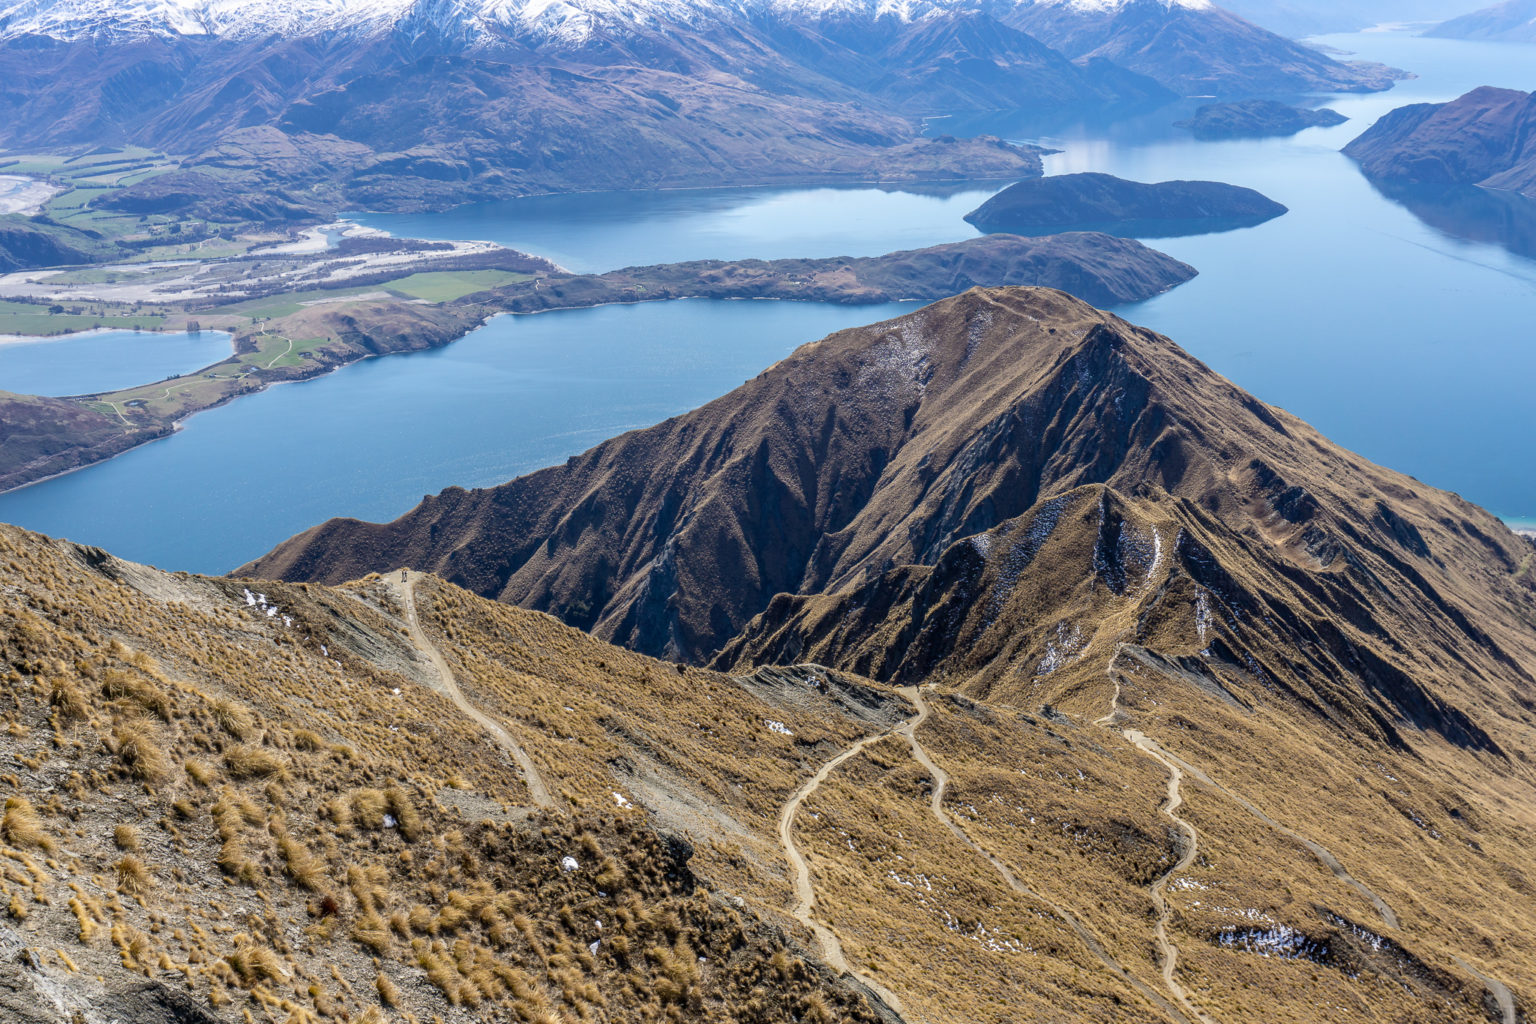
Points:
[(403, 574)]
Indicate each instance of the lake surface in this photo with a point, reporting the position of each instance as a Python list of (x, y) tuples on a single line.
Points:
[(596, 232), (83, 364), (1408, 342), (370, 440)]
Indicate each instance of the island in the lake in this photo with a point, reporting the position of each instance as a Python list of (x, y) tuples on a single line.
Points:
[(1103, 202), (1099, 268), (376, 296), (1487, 138), (1255, 119)]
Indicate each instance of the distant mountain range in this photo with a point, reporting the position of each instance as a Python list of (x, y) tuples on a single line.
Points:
[(1300, 18), (418, 103), (1511, 22)]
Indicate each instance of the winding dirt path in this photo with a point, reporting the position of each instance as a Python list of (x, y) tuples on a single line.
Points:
[(276, 359), (1321, 852), (448, 686), (1500, 991), (1170, 952), (908, 730), (1178, 767), (805, 892)]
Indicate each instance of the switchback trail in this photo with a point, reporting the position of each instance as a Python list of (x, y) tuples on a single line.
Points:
[(1178, 767), (448, 686), (1173, 761), (805, 893), (908, 730), (1170, 952)]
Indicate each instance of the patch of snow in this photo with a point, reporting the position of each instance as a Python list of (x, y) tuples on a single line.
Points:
[(1281, 941), (569, 864), (1068, 646), (778, 727)]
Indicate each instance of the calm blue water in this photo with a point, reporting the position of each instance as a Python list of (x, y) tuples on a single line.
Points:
[(372, 439), (83, 364), (597, 232), (1408, 342)]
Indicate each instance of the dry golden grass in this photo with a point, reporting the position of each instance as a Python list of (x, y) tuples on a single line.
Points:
[(310, 781)]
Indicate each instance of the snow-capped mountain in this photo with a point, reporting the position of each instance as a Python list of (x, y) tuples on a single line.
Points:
[(418, 103), (567, 21)]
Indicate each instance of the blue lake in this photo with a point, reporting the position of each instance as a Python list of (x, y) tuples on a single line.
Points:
[(371, 440), (83, 364), (1403, 335)]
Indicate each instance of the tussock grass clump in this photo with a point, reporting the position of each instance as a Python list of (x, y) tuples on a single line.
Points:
[(234, 719), (403, 809), (127, 839), (140, 752), (301, 865), (65, 698), (119, 685), (250, 762), (389, 992), (20, 827), (254, 963), (233, 858), (201, 772), (368, 808), (308, 741), (133, 877)]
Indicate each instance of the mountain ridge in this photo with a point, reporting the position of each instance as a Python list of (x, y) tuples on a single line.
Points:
[(953, 422), (1201, 717)]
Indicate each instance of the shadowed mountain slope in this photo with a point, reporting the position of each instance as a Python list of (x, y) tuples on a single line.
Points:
[(1217, 722), (876, 471)]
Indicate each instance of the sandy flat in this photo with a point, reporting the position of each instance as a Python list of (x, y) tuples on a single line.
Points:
[(24, 195)]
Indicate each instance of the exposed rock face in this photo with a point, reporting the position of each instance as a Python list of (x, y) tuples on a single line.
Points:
[(1250, 119), (1102, 202), (1487, 137), (934, 496), (1510, 22)]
